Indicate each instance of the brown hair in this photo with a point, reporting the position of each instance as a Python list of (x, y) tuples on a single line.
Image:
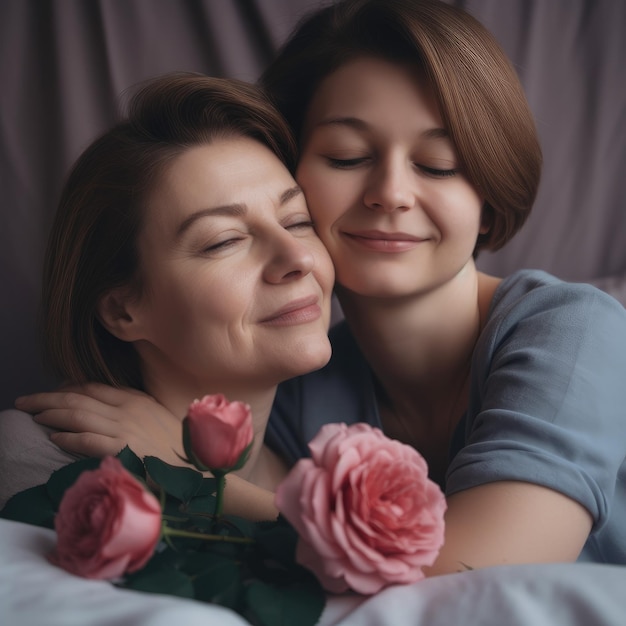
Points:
[(92, 244), (478, 92)]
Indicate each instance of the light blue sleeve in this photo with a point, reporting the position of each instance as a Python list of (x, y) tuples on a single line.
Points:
[(548, 399)]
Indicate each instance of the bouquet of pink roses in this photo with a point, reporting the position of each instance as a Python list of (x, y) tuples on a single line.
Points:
[(360, 514)]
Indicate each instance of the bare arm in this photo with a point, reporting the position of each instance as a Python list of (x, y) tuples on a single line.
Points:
[(97, 420), (510, 522), (497, 523)]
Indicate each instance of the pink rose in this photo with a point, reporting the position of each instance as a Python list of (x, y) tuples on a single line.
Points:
[(220, 432), (107, 524), (364, 507)]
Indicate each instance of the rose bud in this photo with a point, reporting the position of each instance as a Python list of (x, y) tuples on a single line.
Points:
[(217, 433)]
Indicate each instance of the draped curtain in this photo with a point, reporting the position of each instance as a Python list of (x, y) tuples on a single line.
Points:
[(64, 64)]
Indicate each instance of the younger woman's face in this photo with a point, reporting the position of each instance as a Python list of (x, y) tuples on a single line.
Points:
[(236, 285), (383, 182)]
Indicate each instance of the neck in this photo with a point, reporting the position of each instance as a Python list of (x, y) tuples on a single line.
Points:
[(419, 347)]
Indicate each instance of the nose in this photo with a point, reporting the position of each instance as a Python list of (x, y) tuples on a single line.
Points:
[(391, 186), (290, 258)]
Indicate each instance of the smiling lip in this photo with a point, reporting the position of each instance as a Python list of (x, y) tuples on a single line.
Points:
[(380, 241), (300, 311)]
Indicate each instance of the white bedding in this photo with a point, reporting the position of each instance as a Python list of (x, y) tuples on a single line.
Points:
[(35, 593)]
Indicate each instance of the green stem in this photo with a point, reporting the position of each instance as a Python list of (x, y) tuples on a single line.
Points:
[(219, 495), (173, 518), (174, 532)]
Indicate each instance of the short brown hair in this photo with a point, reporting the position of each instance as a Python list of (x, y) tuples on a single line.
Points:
[(480, 98), (92, 243)]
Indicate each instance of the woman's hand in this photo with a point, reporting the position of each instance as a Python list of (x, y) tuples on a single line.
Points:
[(98, 420)]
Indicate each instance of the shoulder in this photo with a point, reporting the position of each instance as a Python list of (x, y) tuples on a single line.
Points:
[(27, 456), (547, 393), (557, 331), (18, 432), (533, 291), (532, 307)]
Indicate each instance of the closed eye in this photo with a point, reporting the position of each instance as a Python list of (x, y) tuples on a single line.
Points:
[(346, 163), (301, 225), (437, 173), (222, 245)]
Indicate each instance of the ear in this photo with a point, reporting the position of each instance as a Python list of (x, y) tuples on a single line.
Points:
[(486, 219), (118, 312)]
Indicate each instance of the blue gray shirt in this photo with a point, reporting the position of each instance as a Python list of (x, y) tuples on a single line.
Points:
[(547, 401)]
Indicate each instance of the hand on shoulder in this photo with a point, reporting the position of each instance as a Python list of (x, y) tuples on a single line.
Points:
[(98, 420)]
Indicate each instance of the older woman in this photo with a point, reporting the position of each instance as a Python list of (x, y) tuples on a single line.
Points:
[(182, 262)]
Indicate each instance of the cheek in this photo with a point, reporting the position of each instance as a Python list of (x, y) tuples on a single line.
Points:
[(165, 290), (196, 298), (475, 214), (323, 195), (225, 300), (325, 270), (461, 210), (473, 199)]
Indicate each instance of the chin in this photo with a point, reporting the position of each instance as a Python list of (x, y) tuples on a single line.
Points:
[(311, 355), (375, 289), (389, 283)]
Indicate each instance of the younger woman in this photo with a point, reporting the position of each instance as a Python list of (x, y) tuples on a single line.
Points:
[(418, 150)]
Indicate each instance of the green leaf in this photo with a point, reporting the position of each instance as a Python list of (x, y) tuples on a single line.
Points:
[(208, 488), (66, 476), (219, 581), (32, 506), (172, 508), (278, 539), (235, 526), (182, 483), (167, 580), (201, 504), (132, 462), (300, 604)]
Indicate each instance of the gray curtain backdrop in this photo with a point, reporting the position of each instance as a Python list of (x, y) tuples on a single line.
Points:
[(65, 63)]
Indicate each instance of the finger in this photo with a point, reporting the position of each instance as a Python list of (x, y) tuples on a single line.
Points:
[(78, 396), (77, 421), (37, 402), (87, 444), (107, 394)]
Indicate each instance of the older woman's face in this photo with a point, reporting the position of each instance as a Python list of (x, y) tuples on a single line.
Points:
[(236, 285)]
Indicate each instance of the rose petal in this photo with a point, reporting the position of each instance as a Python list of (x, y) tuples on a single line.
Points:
[(107, 523), (367, 513), (219, 430), (318, 446), (307, 557)]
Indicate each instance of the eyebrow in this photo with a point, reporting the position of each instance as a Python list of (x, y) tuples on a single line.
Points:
[(359, 124), (289, 194), (237, 209)]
